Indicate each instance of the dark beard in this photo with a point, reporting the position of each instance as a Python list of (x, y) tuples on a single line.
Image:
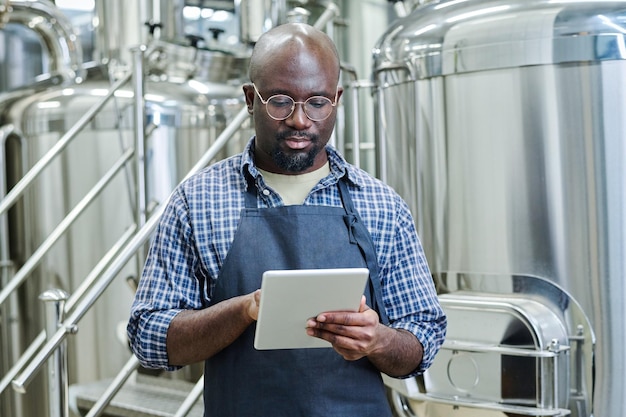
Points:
[(295, 161)]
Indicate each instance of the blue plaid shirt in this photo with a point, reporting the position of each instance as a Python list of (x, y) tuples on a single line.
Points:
[(198, 227)]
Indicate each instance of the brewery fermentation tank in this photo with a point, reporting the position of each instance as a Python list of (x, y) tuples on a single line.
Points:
[(503, 123), (191, 94), (183, 119)]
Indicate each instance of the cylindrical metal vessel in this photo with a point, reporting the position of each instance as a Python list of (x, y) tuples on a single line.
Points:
[(503, 123), (183, 119), (191, 95), (25, 18)]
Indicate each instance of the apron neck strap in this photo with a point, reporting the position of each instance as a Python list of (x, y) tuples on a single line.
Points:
[(345, 195), (251, 192)]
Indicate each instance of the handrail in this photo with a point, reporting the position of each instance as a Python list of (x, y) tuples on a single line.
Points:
[(62, 227), (493, 406), (69, 325), (331, 11), (55, 150), (131, 365), (40, 339), (191, 398)]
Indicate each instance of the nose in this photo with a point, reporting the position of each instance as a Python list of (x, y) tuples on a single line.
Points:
[(298, 118)]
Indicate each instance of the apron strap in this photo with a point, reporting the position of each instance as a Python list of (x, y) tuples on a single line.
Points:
[(366, 245), (251, 192)]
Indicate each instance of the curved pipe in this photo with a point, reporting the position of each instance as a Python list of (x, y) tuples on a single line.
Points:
[(53, 28), (4, 7), (331, 11)]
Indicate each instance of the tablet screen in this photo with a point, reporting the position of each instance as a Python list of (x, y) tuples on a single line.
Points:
[(290, 297)]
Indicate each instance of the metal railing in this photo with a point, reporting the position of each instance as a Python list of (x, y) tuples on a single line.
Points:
[(82, 306), (109, 267), (92, 287)]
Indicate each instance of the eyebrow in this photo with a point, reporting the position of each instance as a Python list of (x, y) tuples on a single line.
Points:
[(286, 93)]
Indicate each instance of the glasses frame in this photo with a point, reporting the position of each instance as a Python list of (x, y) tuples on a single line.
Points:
[(293, 106)]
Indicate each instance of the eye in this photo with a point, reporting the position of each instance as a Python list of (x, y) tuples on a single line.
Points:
[(318, 102), (281, 101)]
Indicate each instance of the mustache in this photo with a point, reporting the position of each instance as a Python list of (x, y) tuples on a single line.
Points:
[(294, 134)]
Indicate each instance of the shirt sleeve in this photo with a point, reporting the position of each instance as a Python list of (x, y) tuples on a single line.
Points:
[(409, 293), (167, 286)]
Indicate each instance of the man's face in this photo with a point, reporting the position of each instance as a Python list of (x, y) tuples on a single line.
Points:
[(294, 145)]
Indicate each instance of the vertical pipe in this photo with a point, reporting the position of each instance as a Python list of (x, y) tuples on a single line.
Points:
[(141, 199), (4, 9), (58, 384), (356, 140), (10, 332), (140, 135), (171, 14)]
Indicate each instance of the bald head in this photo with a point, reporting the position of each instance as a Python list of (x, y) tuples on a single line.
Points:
[(290, 41)]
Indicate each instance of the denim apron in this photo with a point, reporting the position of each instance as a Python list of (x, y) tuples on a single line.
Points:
[(241, 381)]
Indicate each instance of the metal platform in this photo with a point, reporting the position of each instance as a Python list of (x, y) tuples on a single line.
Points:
[(146, 396)]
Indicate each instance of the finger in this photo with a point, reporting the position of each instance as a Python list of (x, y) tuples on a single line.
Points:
[(349, 348), (366, 317), (363, 305)]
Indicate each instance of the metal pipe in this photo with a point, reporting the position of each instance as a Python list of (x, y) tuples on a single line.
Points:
[(173, 25), (381, 146), (140, 135), (332, 11), (191, 399), (503, 350), (55, 31), (142, 236), (400, 8), (39, 341), (114, 387), (4, 8), (30, 176), (493, 406), (24, 359), (58, 384), (62, 227), (355, 85), (11, 333)]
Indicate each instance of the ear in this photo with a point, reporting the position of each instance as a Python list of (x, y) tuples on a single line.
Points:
[(249, 94), (339, 93)]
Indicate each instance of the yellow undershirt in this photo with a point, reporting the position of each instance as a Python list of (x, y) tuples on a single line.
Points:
[(294, 189)]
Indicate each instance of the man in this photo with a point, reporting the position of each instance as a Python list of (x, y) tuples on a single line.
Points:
[(289, 201)]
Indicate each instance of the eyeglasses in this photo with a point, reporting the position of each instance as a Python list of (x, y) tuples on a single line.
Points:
[(281, 106)]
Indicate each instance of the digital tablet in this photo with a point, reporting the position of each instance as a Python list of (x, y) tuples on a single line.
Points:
[(290, 297)]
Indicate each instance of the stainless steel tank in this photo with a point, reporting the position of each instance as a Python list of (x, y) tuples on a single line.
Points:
[(191, 95), (503, 123), (27, 27)]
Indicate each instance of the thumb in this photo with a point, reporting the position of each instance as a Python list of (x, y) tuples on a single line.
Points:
[(363, 306)]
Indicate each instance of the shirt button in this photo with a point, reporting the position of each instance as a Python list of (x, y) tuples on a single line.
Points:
[(266, 192)]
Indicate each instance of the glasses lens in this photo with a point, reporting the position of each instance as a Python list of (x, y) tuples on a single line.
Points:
[(317, 108), (280, 106)]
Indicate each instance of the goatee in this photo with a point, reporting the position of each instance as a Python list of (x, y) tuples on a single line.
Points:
[(295, 161)]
